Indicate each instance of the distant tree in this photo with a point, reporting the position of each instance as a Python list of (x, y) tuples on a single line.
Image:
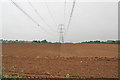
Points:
[(113, 41), (97, 41), (49, 42), (90, 41), (117, 41), (34, 41), (38, 42), (44, 41), (16, 41)]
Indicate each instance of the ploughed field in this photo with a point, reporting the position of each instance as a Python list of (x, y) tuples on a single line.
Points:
[(57, 60)]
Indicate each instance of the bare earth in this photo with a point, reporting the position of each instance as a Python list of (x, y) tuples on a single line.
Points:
[(78, 60)]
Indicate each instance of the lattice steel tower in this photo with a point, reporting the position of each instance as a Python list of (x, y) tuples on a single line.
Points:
[(61, 33)]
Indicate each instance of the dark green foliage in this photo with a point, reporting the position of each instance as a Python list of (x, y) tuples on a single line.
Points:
[(43, 41), (34, 41), (105, 42)]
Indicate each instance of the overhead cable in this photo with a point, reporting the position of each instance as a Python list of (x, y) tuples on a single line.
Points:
[(50, 13), (71, 14), (15, 4), (39, 15)]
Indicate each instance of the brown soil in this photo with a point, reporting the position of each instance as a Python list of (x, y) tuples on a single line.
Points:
[(78, 60)]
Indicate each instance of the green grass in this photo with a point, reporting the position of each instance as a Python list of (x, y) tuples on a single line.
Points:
[(10, 75)]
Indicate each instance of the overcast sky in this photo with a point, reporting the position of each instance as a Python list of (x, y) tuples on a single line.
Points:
[(93, 20)]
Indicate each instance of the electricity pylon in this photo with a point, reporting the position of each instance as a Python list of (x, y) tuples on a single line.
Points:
[(61, 33)]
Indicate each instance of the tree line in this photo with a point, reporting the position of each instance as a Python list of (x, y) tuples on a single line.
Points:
[(45, 41), (104, 42)]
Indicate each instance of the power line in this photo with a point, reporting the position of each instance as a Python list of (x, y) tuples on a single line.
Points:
[(65, 3), (50, 12), (71, 14), (15, 4), (64, 12), (39, 14)]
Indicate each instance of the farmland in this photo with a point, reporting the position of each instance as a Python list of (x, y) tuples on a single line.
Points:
[(54, 59)]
